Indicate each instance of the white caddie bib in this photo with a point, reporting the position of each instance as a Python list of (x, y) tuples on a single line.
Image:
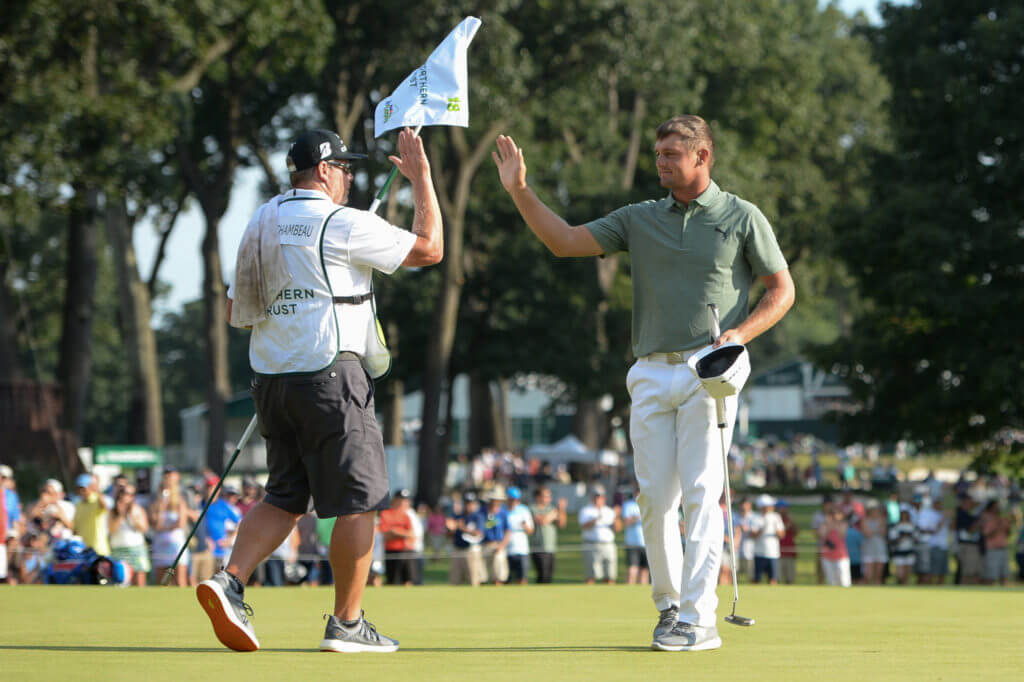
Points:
[(300, 333)]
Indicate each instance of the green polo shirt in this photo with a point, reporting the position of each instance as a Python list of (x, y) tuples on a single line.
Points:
[(685, 257)]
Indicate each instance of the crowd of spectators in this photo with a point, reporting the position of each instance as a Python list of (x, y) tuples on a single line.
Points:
[(911, 537), (501, 524)]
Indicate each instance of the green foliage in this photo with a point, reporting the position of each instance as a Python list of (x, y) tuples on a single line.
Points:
[(937, 253), (110, 94)]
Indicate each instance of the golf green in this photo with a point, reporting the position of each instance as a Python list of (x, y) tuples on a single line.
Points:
[(549, 632)]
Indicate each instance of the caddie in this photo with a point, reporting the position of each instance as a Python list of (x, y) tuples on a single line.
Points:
[(303, 283), (695, 247)]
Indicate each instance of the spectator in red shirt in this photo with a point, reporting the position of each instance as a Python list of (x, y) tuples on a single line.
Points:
[(834, 557), (399, 541), (787, 544)]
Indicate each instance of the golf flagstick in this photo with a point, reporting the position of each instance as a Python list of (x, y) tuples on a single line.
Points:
[(387, 183), (241, 444), (720, 414)]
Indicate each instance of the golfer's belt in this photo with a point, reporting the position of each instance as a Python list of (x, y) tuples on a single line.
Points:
[(676, 357)]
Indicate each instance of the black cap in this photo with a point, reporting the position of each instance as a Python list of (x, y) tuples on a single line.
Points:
[(314, 146), (403, 494)]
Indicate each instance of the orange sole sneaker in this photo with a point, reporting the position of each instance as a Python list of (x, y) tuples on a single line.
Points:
[(229, 631)]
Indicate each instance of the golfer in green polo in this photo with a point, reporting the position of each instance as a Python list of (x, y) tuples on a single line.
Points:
[(697, 246)]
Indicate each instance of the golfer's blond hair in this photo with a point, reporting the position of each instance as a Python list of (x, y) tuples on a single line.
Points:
[(694, 130)]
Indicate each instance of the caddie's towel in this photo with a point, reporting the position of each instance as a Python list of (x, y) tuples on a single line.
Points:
[(260, 269)]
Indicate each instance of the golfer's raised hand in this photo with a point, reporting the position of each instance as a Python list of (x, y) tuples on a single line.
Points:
[(412, 160), (511, 166)]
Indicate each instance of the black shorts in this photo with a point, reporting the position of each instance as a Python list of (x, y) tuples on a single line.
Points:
[(518, 566), (322, 440), (400, 570), (636, 556)]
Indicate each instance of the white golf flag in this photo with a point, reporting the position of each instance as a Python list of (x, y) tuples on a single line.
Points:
[(436, 93)]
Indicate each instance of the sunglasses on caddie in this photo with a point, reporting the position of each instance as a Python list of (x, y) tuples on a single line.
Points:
[(343, 166)]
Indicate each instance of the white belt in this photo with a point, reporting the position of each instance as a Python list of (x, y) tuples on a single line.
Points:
[(677, 357)]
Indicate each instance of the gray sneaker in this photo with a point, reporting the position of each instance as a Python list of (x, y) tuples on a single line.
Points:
[(666, 621), (221, 598), (686, 637), (360, 637)]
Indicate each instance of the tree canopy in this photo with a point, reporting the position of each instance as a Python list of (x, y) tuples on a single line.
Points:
[(937, 252)]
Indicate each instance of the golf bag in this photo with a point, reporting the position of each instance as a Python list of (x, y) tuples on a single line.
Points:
[(75, 564)]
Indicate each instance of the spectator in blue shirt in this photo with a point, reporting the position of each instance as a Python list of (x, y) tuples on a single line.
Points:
[(854, 538), (633, 535), (496, 537), (10, 498), (222, 521), (467, 564)]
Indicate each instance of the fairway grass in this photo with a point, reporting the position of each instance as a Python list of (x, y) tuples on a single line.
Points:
[(546, 632)]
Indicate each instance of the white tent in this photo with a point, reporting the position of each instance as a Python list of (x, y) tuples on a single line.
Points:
[(568, 449)]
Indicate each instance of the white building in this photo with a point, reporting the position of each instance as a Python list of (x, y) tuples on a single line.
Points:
[(792, 398), (532, 417)]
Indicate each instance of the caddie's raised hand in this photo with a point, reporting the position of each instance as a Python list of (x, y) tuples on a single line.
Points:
[(511, 166), (412, 160)]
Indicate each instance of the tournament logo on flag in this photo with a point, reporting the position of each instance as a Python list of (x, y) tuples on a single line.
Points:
[(436, 93)]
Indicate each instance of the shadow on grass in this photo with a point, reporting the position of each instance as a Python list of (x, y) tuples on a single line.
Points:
[(221, 650), (129, 649), (522, 649)]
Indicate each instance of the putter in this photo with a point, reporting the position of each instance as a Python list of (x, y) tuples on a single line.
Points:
[(241, 444), (720, 414)]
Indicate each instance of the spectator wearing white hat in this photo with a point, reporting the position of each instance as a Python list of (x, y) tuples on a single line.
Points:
[(766, 528), (54, 513), (9, 496), (599, 523)]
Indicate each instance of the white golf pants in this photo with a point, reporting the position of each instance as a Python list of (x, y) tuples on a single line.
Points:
[(677, 456)]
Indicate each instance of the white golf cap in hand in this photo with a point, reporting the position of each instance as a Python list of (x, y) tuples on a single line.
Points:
[(722, 371)]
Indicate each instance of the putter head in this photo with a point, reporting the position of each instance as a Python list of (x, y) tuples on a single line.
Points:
[(739, 620)]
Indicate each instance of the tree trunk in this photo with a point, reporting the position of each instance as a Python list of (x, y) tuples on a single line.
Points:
[(453, 194), (481, 413), (430, 477), (393, 394), (145, 412), (75, 362), (213, 190), (10, 368), (588, 424), (216, 331), (499, 417)]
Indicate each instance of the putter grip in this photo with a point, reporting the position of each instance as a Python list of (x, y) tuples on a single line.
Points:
[(713, 322), (720, 412)]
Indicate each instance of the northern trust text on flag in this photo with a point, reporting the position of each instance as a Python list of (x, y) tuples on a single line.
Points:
[(436, 93)]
